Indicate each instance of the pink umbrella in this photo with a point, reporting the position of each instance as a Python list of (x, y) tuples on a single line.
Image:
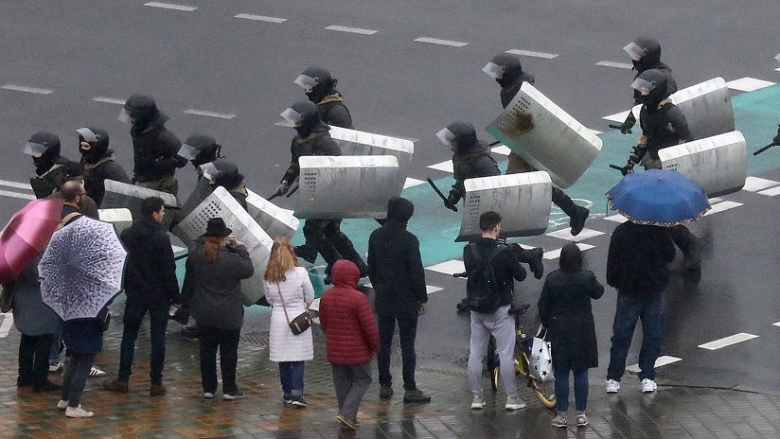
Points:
[(27, 235)]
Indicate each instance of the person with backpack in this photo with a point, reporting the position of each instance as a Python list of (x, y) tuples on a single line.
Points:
[(492, 268)]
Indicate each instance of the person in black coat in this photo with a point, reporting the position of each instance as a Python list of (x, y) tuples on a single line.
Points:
[(323, 236), (98, 162), (320, 88), (637, 266), (44, 148), (397, 274), (566, 312), (151, 286), (155, 148)]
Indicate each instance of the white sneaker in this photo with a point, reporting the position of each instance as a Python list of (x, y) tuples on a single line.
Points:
[(95, 372), (78, 412), (514, 403), (478, 403), (613, 386), (649, 386), (208, 395), (62, 405)]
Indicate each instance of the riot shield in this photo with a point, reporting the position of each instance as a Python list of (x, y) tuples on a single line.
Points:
[(354, 142), (545, 136), (271, 218), (718, 164), (334, 187), (119, 195), (221, 204), (199, 193), (120, 218), (522, 200), (707, 108)]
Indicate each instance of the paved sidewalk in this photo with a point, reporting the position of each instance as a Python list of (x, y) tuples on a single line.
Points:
[(672, 412)]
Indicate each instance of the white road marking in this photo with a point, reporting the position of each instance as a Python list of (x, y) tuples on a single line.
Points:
[(210, 114), (755, 184), (660, 361), (728, 341), (748, 84), (773, 192), (616, 218), (443, 166), (352, 30), (16, 195), (555, 254), (777, 70), (106, 100), (448, 267), (503, 150), (532, 54), (15, 185), (430, 289), (715, 200), (722, 206), (261, 18), (22, 88), (412, 182), (171, 6), (440, 42), (583, 235), (617, 117), (8, 322), (776, 324), (617, 65)]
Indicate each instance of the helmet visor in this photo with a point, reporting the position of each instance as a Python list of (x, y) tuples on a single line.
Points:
[(88, 135), (643, 86), (292, 117), (34, 149), (446, 136), (634, 51), (493, 70), (306, 82), (124, 117), (209, 171), (189, 152)]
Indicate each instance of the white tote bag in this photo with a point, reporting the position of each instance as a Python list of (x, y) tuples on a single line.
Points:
[(541, 357)]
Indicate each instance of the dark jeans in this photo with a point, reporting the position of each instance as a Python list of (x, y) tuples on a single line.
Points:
[(226, 340), (407, 332), (580, 390), (650, 309), (134, 315), (34, 359), (291, 376), (56, 345), (76, 373)]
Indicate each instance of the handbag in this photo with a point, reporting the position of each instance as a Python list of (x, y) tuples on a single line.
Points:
[(541, 356), (302, 322), (6, 298)]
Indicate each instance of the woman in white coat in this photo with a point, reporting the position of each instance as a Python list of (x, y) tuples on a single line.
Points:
[(288, 287)]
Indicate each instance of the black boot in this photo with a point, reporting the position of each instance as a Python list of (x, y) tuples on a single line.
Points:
[(306, 252), (577, 214), (531, 257)]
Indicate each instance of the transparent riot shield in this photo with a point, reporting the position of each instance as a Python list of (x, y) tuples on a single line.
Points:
[(271, 218), (123, 195), (707, 108), (354, 142), (221, 204), (545, 136), (522, 200), (718, 163), (334, 187)]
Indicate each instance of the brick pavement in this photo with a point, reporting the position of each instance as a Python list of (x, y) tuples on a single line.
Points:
[(673, 412)]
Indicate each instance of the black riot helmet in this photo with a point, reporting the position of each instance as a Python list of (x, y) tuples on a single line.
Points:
[(652, 87), (141, 110), (506, 69), (645, 53), (460, 134), (304, 116), (317, 83), (44, 148), (93, 143), (200, 149), (223, 173)]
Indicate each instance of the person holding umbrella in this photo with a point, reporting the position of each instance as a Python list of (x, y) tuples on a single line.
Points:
[(212, 290)]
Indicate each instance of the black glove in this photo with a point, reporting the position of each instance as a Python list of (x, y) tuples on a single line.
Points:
[(452, 201), (776, 140), (629, 123), (282, 188), (625, 170), (182, 315)]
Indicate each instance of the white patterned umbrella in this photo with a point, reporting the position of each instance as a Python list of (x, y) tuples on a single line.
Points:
[(81, 269)]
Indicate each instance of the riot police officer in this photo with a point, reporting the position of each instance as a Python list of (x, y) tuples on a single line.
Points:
[(98, 162), (320, 88), (44, 148)]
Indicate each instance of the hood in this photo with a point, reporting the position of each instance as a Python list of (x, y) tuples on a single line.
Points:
[(400, 210), (345, 274)]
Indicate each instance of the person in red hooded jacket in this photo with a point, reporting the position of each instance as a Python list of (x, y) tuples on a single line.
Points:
[(353, 339)]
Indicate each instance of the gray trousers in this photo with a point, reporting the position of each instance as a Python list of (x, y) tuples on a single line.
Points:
[(502, 326), (351, 382)]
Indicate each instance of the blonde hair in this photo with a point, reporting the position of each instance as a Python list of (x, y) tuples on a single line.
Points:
[(211, 245), (281, 261)]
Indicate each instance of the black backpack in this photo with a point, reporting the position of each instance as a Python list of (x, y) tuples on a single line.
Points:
[(482, 290)]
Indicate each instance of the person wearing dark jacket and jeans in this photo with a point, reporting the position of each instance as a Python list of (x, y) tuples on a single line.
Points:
[(637, 266), (397, 274), (566, 312), (151, 286), (212, 290), (352, 340), (155, 148), (323, 235), (499, 323), (98, 162)]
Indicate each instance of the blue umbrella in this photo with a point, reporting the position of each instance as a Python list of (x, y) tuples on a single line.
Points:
[(658, 197)]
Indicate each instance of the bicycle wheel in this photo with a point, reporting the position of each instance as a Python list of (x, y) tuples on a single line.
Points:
[(544, 391), (493, 363)]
